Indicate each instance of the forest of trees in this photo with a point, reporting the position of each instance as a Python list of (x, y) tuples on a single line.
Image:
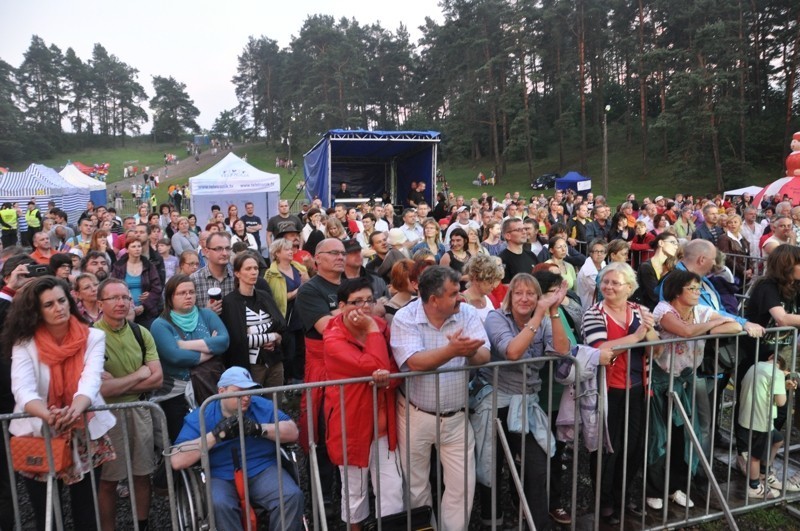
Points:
[(101, 98), (706, 86)]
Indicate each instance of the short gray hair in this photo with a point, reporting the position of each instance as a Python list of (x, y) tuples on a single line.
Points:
[(623, 269)]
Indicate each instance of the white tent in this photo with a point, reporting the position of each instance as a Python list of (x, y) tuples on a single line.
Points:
[(752, 190), (233, 181), (74, 176)]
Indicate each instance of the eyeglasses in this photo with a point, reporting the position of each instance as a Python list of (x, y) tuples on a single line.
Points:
[(118, 298), (190, 293), (613, 283), (598, 251), (220, 249), (360, 303), (695, 289), (334, 253)]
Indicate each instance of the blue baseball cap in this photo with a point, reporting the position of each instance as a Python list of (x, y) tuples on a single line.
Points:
[(238, 376)]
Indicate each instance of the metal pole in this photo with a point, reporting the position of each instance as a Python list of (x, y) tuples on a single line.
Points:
[(605, 150)]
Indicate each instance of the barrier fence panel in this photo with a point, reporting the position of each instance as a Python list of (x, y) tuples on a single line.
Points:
[(495, 451), (54, 513)]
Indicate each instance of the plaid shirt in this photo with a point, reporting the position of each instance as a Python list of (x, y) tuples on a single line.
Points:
[(412, 332), (203, 279)]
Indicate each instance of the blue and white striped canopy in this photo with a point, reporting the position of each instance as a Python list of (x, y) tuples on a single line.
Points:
[(43, 184)]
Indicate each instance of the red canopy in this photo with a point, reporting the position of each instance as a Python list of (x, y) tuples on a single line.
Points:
[(88, 170)]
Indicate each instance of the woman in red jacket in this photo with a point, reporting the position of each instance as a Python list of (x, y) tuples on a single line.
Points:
[(356, 344)]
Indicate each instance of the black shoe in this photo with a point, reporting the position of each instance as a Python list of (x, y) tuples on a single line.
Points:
[(633, 509)]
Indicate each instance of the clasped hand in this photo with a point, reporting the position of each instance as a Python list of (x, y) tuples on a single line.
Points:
[(228, 428)]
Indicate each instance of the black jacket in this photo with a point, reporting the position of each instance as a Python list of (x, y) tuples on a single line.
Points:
[(233, 316)]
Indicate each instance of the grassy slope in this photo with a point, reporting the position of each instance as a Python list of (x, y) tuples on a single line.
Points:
[(624, 170), (147, 153)]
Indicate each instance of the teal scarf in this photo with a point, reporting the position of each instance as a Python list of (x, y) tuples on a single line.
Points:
[(186, 322)]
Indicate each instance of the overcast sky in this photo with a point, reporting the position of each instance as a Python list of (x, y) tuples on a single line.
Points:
[(195, 43)]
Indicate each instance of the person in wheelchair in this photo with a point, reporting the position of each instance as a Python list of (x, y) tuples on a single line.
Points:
[(260, 432)]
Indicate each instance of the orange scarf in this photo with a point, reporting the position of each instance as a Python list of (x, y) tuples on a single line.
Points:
[(65, 360)]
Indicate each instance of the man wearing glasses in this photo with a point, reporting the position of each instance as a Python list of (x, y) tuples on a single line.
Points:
[(132, 367), (317, 303), (515, 258), (217, 272)]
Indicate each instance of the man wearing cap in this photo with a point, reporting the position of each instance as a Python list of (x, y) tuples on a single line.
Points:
[(33, 218), (265, 482), (354, 268), (463, 221), (282, 222)]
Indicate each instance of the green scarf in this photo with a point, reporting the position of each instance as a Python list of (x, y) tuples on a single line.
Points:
[(187, 322)]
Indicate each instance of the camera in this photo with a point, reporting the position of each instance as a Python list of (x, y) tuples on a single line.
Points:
[(37, 270)]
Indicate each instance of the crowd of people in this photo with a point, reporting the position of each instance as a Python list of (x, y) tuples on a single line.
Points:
[(109, 309)]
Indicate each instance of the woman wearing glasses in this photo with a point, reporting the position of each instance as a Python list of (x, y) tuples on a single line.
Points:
[(678, 316), (651, 272), (356, 344), (613, 322), (255, 325), (142, 279), (187, 336), (586, 280)]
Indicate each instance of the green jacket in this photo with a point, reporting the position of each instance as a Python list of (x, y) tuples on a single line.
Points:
[(277, 283)]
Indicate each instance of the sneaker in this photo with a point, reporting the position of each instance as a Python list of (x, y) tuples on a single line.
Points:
[(762, 492), (793, 484), (560, 516), (681, 499), (655, 503), (772, 481), (742, 463)]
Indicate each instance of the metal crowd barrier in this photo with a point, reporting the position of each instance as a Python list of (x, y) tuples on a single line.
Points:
[(55, 514), (715, 498)]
